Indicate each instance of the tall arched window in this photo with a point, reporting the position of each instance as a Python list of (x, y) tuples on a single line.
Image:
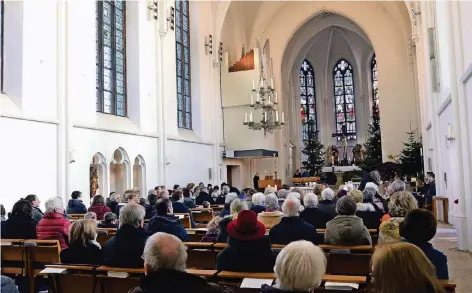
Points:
[(111, 57), (307, 96), (182, 38), (344, 99), (375, 81)]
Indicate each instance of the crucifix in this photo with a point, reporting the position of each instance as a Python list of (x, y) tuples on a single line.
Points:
[(343, 137)]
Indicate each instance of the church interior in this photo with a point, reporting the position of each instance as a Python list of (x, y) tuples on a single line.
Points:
[(258, 97)]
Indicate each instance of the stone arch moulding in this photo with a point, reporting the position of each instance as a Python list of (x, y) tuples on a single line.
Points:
[(120, 156), (139, 175)]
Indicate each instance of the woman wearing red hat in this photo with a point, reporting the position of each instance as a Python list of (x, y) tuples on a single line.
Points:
[(248, 250)]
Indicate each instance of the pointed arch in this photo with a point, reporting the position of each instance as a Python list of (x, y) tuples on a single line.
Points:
[(344, 95), (307, 96), (139, 175)]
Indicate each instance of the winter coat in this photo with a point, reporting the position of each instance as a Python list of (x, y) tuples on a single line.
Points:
[(79, 254), (328, 208), (203, 196), (369, 214), (223, 235), (150, 210), (270, 219), (126, 248), (258, 208), (112, 205), (100, 210), (173, 281), (292, 229), (19, 227), (347, 230), (189, 203), (180, 207), (54, 226), (225, 211), (438, 258), (315, 217), (221, 199), (167, 224), (76, 206), (246, 256), (37, 214), (8, 285)]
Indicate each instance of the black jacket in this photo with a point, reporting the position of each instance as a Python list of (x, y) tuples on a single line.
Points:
[(223, 235), (246, 256), (150, 210), (37, 214), (88, 254), (126, 248), (112, 205), (167, 224), (172, 281), (107, 225), (203, 196), (19, 227), (328, 208), (258, 209), (180, 207), (76, 206), (292, 229), (315, 217), (188, 202)]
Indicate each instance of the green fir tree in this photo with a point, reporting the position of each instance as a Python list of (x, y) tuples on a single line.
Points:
[(373, 145), (410, 156), (314, 150)]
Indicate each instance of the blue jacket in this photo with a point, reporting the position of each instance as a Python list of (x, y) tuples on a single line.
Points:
[(180, 207), (292, 229), (438, 259), (76, 206), (8, 285), (167, 224), (258, 209)]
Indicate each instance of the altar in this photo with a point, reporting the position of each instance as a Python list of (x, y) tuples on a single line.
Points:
[(341, 169)]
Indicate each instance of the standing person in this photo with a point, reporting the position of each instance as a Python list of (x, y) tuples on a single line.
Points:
[(75, 205), (54, 225), (20, 223), (255, 180), (37, 213), (98, 206)]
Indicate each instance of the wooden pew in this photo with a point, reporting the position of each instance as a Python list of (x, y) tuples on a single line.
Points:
[(14, 257), (185, 221), (40, 254), (217, 208), (195, 235), (76, 216), (201, 215), (105, 234)]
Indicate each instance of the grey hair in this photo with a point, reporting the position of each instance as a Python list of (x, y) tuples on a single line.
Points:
[(225, 189), (236, 206), (310, 200), (272, 201), (270, 189), (397, 185), (258, 198), (401, 203), (300, 266), (369, 194), (165, 251), (295, 194), (113, 196), (291, 206), (230, 197), (132, 214), (152, 191), (327, 194), (349, 187), (346, 205), (373, 186), (375, 176), (90, 216), (282, 193), (53, 203)]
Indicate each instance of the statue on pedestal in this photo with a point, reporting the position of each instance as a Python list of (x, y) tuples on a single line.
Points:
[(358, 154), (332, 155)]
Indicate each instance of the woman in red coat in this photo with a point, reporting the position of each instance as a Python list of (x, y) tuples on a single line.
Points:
[(98, 206), (53, 225)]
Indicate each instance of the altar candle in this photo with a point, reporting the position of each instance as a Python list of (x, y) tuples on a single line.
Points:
[(250, 117), (277, 116), (257, 98), (275, 101), (332, 160), (272, 83), (269, 99), (283, 117), (265, 116), (253, 85), (245, 117), (449, 131)]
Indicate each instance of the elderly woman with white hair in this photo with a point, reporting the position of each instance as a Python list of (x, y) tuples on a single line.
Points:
[(299, 267), (291, 226), (228, 200), (346, 228), (272, 215), (376, 199), (237, 205), (311, 214), (327, 206), (366, 209), (53, 225), (113, 201), (396, 186), (258, 203)]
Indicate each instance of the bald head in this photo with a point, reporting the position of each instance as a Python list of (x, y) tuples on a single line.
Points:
[(164, 251)]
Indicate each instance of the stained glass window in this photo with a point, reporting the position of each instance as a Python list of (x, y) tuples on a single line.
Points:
[(307, 96), (345, 110), (111, 57), (182, 38), (375, 81)]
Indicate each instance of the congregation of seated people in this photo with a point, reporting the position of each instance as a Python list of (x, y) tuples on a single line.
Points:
[(249, 222)]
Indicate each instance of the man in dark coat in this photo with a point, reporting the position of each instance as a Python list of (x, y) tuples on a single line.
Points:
[(126, 248), (75, 205), (165, 222), (248, 249), (179, 206), (292, 227), (255, 180), (165, 257), (327, 206)]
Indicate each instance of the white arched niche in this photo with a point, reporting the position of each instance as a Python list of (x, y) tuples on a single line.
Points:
[(120, 171), (139, 175), (98, 175)]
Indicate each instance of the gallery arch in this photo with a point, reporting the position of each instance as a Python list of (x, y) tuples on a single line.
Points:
[(120, 171), (139, 175)]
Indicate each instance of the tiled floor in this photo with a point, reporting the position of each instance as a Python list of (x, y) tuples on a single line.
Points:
[(460, 263)]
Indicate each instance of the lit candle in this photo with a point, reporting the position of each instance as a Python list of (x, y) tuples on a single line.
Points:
[(277, 116), (250, 117), (275, 101), (253, 85), (245, 117), (332, 160), (269, 99), (262, 83), (265, 116), (252, 100), (449, 130), (283, 117), (271, 83), (257, 98)]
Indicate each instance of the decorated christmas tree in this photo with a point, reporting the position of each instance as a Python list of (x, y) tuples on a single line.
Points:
[(313, 150), (373, 145), (410, 156)]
